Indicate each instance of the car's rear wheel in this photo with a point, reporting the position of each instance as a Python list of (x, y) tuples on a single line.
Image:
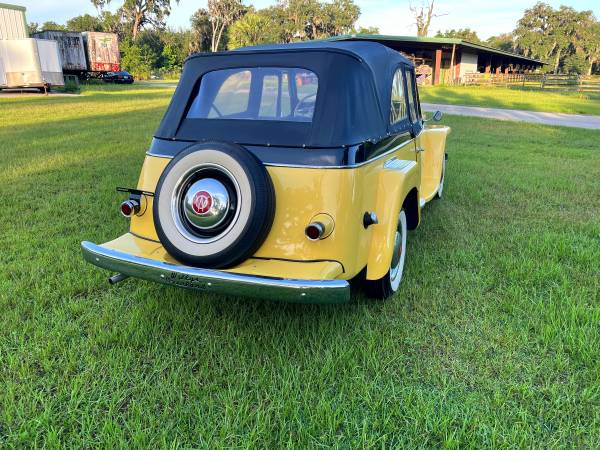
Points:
[(214, 205), (390, 283)]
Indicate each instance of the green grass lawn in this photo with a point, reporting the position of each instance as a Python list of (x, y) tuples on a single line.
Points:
[(513, 98), (492, 341)]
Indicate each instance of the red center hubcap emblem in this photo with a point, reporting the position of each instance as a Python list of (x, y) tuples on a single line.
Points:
[(202, 202)]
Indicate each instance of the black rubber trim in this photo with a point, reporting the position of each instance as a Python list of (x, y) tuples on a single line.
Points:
[(343, 157)]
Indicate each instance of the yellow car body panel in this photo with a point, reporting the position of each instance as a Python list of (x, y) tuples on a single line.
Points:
[(433, 142), (315, 270), (393, 185), (345, 194)]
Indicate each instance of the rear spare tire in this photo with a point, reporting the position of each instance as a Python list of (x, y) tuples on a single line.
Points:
[(214, 205)]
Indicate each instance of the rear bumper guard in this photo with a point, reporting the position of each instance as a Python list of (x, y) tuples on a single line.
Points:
[(215, 281)]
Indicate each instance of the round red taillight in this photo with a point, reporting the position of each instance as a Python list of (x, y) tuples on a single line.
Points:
[(129, 208), (314, 231)]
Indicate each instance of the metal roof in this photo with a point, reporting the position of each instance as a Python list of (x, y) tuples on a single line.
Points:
[(16, 7), (427, 40)]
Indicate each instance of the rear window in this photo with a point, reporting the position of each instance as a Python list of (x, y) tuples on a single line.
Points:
[(257, 93)]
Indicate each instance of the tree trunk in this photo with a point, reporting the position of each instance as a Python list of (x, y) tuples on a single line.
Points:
[(557, 62), (136, 25), (219, 38), (213, 37)]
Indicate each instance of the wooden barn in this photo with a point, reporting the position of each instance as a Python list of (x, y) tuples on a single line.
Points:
[(447, 61)]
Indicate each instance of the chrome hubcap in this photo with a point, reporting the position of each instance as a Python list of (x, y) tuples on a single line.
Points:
[(206, 203)]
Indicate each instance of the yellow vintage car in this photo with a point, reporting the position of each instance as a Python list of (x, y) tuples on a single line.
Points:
[(286, 172)]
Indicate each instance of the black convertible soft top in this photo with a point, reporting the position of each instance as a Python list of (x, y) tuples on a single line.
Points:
[(353, 101)]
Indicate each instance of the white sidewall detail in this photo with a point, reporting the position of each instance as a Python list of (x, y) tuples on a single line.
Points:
[(402, 228), (440, 191), (169, 186)]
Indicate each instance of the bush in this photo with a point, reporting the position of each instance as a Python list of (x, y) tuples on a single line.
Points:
[(136, 60), (71, 84)]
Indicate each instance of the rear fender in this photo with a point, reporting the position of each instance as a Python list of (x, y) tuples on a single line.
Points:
[(433, 140), (396, 180)]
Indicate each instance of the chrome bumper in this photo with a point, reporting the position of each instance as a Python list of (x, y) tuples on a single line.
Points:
[(215, 281)]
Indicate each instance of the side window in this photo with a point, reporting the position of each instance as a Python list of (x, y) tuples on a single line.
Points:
[(275, 100), (410, 87), (398, 107), (233, 95)]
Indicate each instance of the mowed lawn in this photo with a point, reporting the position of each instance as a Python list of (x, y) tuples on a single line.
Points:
[(492, 341), (514, 98)]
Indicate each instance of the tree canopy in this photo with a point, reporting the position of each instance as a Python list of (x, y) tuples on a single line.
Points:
[(140, 13), (462, 33), (566, 38)]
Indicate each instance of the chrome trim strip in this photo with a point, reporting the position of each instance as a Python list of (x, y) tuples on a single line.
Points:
[(215, 281), (403, 165), (158, 155)]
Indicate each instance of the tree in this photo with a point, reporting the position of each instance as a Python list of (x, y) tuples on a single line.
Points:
[(176, 48), (588, 43), (339, 18), (221, 14), (52, 26), (85, 22), (114, 23), (252, 29), (201, 31), (313, 19), (556, 35), (423, 15), (366, 30), (462, 33), (575, 63), (134, 59), (32, 27), (141, 12), (504, 41)]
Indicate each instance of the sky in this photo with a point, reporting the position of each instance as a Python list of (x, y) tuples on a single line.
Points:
[(487, 18)]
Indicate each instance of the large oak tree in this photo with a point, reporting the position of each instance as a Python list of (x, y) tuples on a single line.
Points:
[(141, 12)]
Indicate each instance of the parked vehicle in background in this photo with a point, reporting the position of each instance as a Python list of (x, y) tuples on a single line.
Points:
[(71, 49), (26, 63), (12, 22), (122, 77), (87, 55), (102, 51)]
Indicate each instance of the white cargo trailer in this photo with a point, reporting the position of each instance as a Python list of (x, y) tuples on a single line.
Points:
[(12, 22), (30, 63), (70, 47)]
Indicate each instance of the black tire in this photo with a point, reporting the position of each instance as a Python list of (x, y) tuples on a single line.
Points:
[(251, 191), (389, 284)]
